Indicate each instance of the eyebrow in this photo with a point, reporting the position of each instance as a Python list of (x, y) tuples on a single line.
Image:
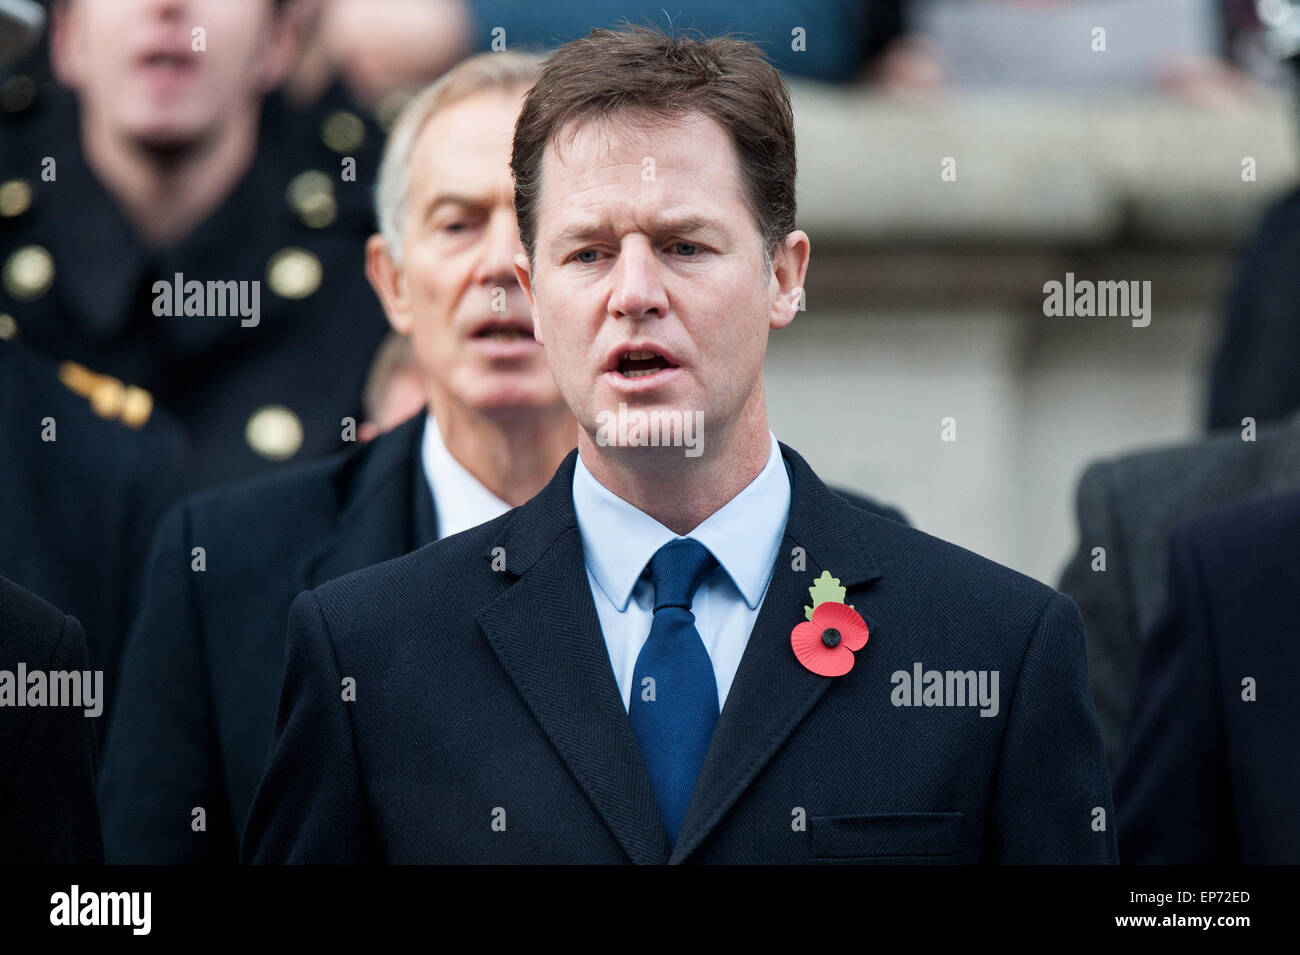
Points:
[(451, 199), (585, 231)]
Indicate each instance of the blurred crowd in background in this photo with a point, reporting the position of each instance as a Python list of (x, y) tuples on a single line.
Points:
[(233, 141)]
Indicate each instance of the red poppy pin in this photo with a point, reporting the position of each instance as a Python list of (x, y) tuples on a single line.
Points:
[(826, 643)]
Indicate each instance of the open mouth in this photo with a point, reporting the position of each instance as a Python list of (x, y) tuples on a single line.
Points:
[(508, 331), (639, 364), (163, 60)]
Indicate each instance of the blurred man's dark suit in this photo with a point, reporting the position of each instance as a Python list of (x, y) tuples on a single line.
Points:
[(203, 670), (47, 753), (1129, 506), (80, 509), (1254, 371), (1211, 766), (486, 693)]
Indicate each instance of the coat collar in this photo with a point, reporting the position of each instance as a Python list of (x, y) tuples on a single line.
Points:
[(546, 633), (383, 505)]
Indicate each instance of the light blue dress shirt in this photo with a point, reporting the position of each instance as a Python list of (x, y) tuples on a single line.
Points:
[(618, 541)]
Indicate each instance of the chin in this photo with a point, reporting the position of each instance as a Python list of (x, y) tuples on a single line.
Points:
[(520, 400), (167, 133)]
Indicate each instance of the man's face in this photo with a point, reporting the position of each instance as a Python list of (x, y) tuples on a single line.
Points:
[(455, 290), (645, 245), (134, 63)]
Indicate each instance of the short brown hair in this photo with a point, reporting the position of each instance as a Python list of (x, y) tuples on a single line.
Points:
[(645, 70)]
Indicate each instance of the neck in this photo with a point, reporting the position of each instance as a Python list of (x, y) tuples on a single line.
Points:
[(514, 455), (165, 192), (681, 492)]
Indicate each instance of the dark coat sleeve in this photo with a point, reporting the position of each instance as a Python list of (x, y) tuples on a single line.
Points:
[(48, 814), (1106, 603), (1171, 786), (310, 807), (1051, 778), (162, 761)]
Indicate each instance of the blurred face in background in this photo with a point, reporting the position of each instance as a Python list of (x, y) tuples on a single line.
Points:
[(136, 69), (453, 288)]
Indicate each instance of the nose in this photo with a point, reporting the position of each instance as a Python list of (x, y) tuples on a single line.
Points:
[(168, 9), (497, 264), (637, 283)]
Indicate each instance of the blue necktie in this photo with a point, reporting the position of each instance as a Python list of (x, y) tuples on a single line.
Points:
[(674, 704)]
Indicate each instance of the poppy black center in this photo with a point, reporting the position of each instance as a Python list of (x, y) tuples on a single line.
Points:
[(831, 637)]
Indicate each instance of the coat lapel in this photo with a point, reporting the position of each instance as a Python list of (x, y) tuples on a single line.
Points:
[(772, 692), (545, 631), (379, 511)]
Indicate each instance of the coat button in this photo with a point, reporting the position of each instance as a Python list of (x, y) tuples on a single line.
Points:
[(29, 273), (15, 198), (17, 93), (274, 432), (294, 273), (8, 328), (343, 131), (311, 195)]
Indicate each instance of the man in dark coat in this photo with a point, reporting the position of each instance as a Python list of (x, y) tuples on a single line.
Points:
[(1210, 773), (686, 648)]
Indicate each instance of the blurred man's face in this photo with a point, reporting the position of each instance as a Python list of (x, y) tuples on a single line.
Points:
[(645, 245), (455, 290), (134, 63)]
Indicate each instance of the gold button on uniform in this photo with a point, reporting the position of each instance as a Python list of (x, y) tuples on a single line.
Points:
[(294, 273), (8, 328), (17, 93), (343, 131), (137, 405), (311, 195), (15, 198), (274, 432), (29, 273)]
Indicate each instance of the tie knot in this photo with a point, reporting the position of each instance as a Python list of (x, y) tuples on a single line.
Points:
[(677, 569)]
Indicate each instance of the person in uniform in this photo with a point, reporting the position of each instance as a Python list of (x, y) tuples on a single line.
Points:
[(89, 465), (205, 659), (166, 222)]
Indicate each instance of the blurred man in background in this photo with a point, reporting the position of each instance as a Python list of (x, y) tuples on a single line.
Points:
[(1210, 773), (382, 48), (158, 226), (203, 669), (88, 466), (394, 390)]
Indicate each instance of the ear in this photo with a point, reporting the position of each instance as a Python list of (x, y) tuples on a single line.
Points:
[(65, 58), (524, 275), (287, 28), (789, 266), (388, 279)]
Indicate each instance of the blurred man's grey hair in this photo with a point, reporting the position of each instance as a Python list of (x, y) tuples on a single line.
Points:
[(504, 71)]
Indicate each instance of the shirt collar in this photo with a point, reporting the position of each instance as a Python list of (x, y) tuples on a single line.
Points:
[(460, 498), (744, 534)]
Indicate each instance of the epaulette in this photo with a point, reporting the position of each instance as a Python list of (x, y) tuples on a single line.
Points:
[(108, 396)]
